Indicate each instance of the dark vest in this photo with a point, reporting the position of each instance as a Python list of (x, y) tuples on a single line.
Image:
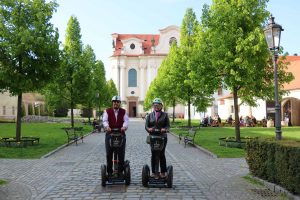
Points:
[(113, 123)]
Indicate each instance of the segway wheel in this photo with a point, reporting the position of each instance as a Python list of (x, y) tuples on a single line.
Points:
[(127, 175), (103, 175), (145, 175), (170, 176)]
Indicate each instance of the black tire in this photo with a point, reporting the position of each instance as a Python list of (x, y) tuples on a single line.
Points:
[(145, 175), (170, 176), (127, 174), (103, 175)]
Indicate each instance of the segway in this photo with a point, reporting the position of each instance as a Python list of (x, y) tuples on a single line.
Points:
[(157, 144), (117, 177)]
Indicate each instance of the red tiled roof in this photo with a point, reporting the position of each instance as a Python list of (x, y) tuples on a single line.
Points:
[(229, 96), (293, 67), (147, 44)]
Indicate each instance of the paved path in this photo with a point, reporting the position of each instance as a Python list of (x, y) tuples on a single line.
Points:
[(74, 173)]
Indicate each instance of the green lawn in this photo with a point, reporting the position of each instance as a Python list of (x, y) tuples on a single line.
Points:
[(207, 137), (51, 136)]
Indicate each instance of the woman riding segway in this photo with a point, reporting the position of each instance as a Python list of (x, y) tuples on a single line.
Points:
[(157, 125)]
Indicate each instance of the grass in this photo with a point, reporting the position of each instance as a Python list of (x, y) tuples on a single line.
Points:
[(2, 182), (253, 181), (208, 137), (51, 136)]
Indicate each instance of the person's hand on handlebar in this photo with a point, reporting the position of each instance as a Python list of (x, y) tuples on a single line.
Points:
[(163, 130), (150, 130), (123, 129), (108, 129)]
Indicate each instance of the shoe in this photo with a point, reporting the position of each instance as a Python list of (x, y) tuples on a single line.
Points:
[(152, 175), (163, 175), (156, 176)]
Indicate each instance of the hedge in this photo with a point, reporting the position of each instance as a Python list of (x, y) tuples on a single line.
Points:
[(275, 161)]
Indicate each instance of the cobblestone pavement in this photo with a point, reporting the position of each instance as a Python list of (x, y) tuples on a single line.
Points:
[(74, 173)]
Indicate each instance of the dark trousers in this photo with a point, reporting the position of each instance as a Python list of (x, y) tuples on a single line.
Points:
[(109, 153), (162, 158)]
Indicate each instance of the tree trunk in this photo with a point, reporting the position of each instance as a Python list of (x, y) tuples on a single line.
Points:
[(72, 106), (174, 104), (19, 115), (189, 113), (236, 115)]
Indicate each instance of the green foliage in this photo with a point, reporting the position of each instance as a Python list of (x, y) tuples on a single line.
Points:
[(87, 112), (61, 111), (29, 48), (30, 109), (23, 110), (101, 88), (233, 51), (29, 45), (2, 182), (275, 161), (112, 91), (36, 110), (43, 110)]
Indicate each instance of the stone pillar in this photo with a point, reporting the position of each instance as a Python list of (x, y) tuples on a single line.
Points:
[(123, 83), (142, 83)]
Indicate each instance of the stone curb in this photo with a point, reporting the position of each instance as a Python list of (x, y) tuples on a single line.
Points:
[(61, 147), (271, 186), (276, 188)]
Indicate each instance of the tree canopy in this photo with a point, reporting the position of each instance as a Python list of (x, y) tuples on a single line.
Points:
[(29, 48)]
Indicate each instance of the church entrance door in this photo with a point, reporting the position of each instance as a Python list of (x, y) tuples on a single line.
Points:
[(132, 109)]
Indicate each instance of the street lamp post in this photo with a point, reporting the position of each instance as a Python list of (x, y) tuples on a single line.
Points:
[(272, 33), (98, 105)]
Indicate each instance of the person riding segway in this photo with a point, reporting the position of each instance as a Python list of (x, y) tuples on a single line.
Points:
[(115, 122), (157, 125)]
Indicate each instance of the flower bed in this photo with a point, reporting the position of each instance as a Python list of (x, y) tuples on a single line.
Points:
[(24, 141)]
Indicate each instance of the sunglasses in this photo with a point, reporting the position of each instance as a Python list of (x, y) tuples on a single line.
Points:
[(116, 101)]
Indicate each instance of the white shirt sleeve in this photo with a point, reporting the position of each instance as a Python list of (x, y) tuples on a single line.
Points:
[(126, 119), (105, 120)]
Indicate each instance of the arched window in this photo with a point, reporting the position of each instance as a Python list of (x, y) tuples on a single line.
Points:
[(132, 78)]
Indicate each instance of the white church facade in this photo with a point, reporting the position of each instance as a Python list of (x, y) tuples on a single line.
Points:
[(135, 61)]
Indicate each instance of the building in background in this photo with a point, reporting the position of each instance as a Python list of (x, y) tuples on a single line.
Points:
[(290, 104), (135, 62)]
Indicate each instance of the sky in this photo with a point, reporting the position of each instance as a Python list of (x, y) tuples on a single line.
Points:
[(98, 19)]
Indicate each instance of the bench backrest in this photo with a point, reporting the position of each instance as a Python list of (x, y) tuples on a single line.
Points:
[(192, 132)]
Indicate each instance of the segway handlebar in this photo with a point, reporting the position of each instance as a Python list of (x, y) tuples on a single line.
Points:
[(116, 131)]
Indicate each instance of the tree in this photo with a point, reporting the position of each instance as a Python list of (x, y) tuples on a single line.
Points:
[(72, 81), (101, 88), (181, 68), (89, 60), (29, 48), (112, 91), (236, 48)]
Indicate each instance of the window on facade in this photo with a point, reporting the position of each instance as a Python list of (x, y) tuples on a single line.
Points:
[(172, 39), (132, 78), (3, 110), (132, 46), (13, 110)]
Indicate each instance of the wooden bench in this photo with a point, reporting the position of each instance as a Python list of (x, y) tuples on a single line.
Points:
[(188, 137), (74, 134)]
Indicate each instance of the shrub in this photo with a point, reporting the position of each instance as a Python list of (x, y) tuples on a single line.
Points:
[(275, 161), (30, 109), (61, 112)]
